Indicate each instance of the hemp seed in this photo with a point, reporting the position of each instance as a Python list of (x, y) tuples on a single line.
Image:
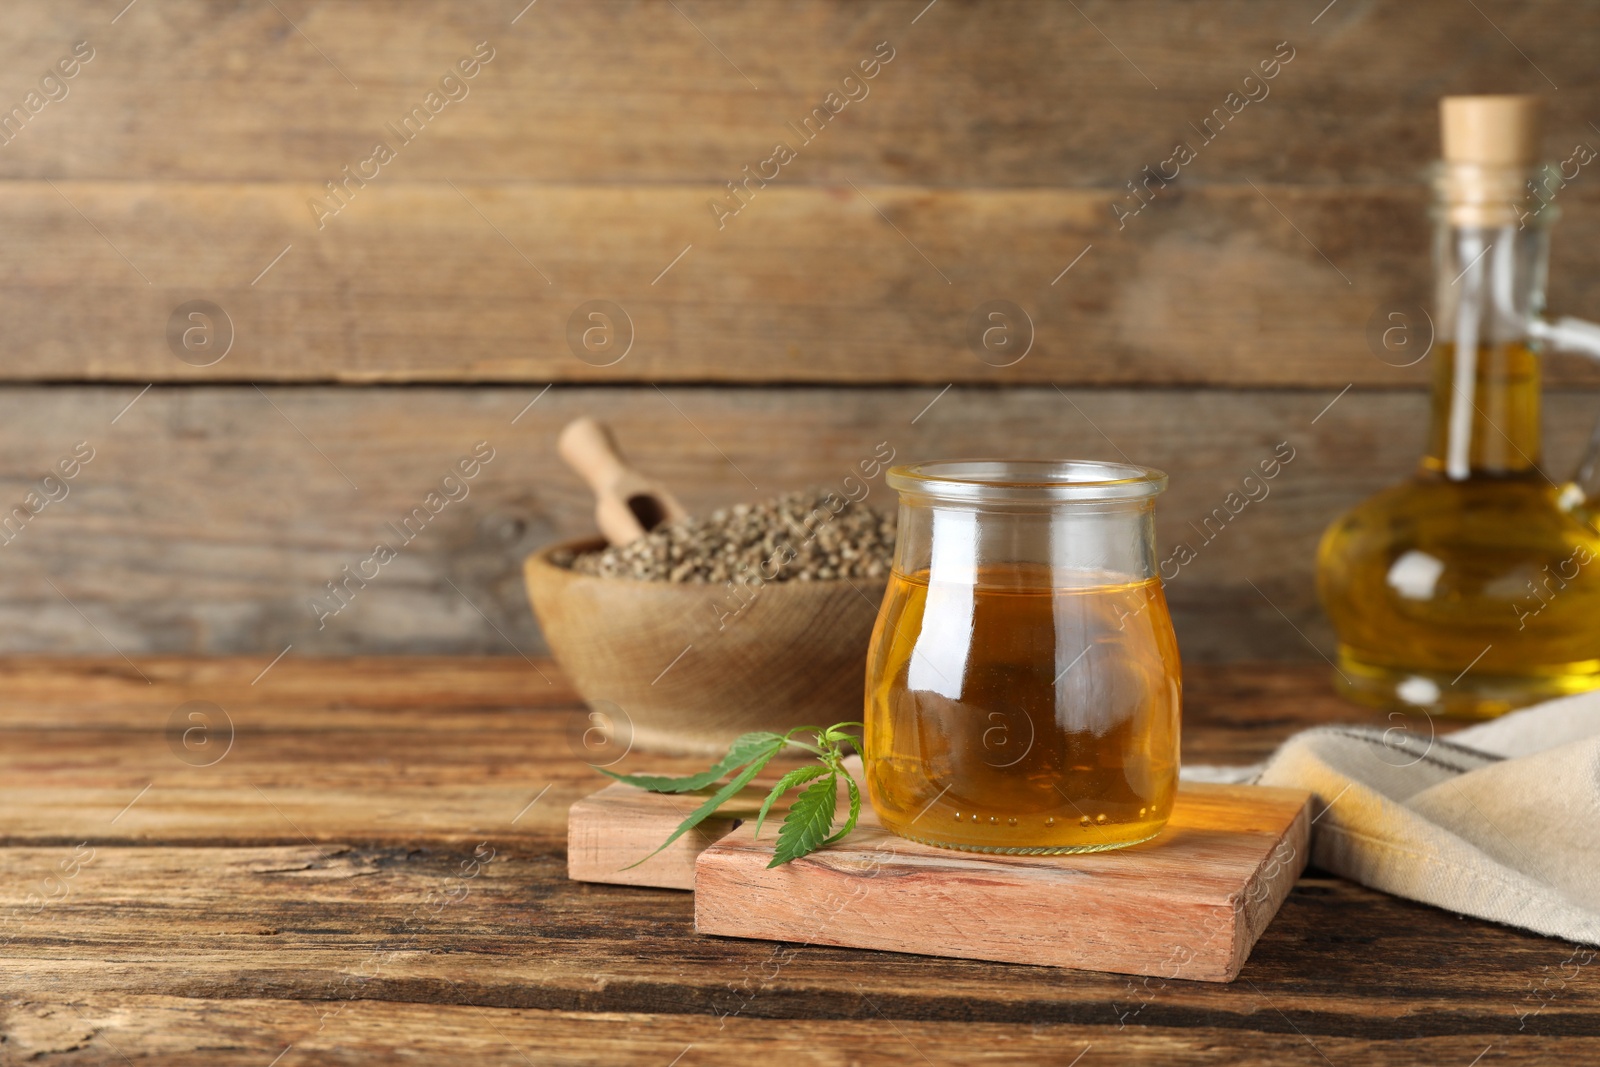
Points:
[(812, 535)]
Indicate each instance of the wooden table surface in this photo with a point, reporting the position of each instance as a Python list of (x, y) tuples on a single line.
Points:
[(372, 869)]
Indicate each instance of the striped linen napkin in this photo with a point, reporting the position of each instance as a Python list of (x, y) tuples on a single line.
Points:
[(1500, 821)]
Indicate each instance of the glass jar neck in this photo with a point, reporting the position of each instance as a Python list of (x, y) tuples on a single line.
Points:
[(1065, 545), (1489, 274)]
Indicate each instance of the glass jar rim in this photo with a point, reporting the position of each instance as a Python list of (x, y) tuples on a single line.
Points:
[(981, 481)]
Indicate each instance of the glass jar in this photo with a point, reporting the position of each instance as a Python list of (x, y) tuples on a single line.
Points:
[(1023, 687)]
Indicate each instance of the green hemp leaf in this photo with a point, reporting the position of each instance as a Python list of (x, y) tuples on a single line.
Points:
[(807, 826)]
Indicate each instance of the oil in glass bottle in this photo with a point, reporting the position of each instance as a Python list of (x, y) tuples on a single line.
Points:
[(1474, 587)]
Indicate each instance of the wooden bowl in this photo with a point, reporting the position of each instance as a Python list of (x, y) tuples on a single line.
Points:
[(689, 668)]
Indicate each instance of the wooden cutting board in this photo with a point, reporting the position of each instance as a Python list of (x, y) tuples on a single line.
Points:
[(1189, 904)]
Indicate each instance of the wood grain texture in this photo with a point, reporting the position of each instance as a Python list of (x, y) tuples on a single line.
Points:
[(425, 282), (249, 1031), (357, 948), (1188, 905), (207, 522), (582, 161), (1247, 708), (991, 93), (297, 926), (609, 830), (471, 744)]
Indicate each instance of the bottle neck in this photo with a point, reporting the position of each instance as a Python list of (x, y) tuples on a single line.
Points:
[(1489, 285), (1485, 413)]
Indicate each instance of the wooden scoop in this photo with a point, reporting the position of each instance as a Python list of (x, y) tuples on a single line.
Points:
[(627, 504)]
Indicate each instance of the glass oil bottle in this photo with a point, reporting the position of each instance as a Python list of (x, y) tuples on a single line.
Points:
[(1474, 588)]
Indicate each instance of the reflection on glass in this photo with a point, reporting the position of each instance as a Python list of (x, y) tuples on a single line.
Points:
[(1023, 684)]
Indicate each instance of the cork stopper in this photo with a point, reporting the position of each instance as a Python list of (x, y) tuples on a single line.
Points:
[(1491, 131), (1491, 150)]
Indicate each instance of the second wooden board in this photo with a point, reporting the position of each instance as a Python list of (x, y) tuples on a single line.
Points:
[(1189, 904)]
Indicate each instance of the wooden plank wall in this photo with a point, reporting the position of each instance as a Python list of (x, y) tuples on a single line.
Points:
[(371, 342)]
